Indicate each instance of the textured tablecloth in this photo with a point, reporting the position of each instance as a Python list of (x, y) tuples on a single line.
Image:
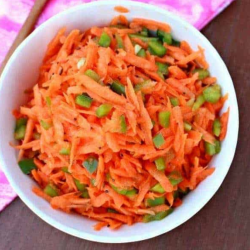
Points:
[(14, 12)]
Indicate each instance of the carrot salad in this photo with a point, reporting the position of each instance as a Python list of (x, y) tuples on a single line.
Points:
[(122, 123)]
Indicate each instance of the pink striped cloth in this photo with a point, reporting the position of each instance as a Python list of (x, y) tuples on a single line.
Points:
[(13, 14)]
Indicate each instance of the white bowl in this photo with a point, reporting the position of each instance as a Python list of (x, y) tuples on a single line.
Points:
[(21, 72)]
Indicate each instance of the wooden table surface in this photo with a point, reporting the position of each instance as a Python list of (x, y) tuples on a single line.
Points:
[(224, 223)]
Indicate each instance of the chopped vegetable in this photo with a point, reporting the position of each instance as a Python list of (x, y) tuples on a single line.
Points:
[(85, 194), (158, 140), (27, 165), (123, 124), (137, 48), (90, 164), (65, 170), (156, 202), (118, 88), (162, 67), (199, 102), (212, 94), (175, 178), (144, 38), (103, 110), (141, 53), (164, 118), (92, 74), (20, 132), (217, 127), (50, 191), (48, 101), (166, 37), (187, 126), (104, 40), (174, 101), (158, 216), (160, 163), (158, 188), (79, 185), (203, 73), (175, 43), (119, 41), (64, 151), (84, 100), (157, 48), (45, 125), (126, 192)]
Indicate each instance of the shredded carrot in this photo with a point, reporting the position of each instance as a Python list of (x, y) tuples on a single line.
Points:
[(104, 125), (121, 9)]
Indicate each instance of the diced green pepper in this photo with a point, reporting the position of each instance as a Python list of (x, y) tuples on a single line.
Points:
[(119, 42), (144, 32), (20, 132), (92, 74), (174, 101), (118, 88), (123, 124), (160, 75), (187, 126), (85, 194), (103, 110), (158, 140), (20, 128), (175, 178), (162, 67), (142, 85), (64, 151), (164, 118), (45, 124), (90, 164), (93, 181), (48, 101), (212, 94), (156, 202), (166, 37), (65, 170), (20, 122), (83, 101), (217, 147), (158, 188), (104, 40), (217, 127), (199, 102), (79, 185), (158, 216), (111, 210), (144, 38), (176, 194), (126, 192), (203, 73), (160, 163), (176, 43), (27, 165), (157, 48), (137, 48), (141, 53), (50, 191), (210, 148)]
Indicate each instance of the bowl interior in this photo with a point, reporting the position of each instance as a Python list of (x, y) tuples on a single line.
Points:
[(21, 73)]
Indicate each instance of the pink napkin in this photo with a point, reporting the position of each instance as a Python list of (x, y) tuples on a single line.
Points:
[(13, 14)]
